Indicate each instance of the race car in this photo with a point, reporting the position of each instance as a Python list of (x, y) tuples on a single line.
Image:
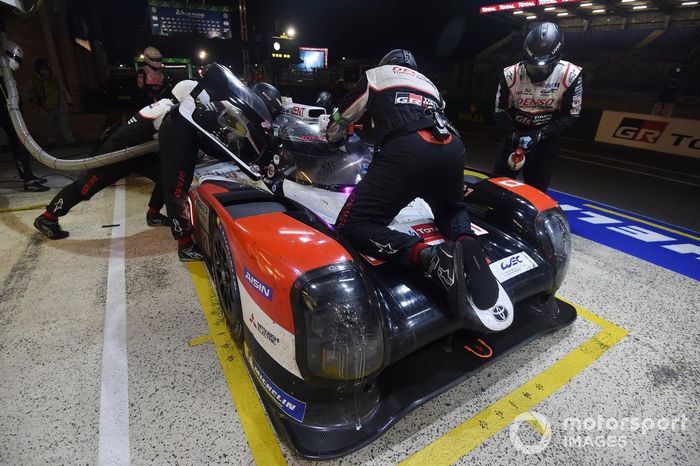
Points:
[(340, 345)]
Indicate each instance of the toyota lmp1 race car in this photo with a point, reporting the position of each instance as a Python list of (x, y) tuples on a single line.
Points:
[(341, 346)]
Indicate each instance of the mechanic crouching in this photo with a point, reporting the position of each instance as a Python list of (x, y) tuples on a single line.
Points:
[(537, 99), (140, 128), (421, 156)]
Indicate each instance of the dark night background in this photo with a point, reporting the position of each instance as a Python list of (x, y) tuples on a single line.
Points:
[(438, 30)]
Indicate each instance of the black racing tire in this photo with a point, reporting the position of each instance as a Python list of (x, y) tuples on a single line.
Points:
[(226, 284)]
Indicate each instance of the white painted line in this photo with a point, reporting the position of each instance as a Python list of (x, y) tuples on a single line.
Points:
[(629, 170), (626, 162), (114, 396)]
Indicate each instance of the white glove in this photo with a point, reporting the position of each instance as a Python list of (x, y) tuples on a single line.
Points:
[(323, 121)]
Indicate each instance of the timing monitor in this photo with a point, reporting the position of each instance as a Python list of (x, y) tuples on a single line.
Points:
[(312, 57)]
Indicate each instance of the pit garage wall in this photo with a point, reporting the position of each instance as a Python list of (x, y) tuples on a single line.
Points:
[(47, 35), (678, 136)]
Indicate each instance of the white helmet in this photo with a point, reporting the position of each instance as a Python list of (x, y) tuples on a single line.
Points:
[(185, 87), (14, 54), (153, 57)]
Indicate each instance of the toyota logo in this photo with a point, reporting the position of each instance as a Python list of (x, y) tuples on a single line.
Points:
[(500, 313)]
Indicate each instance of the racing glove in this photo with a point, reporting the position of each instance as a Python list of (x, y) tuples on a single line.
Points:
[(530, 141), (323, 121), (525, 142)]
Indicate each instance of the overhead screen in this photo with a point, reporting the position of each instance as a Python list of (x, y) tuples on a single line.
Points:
[(177, 18), (312, 57)]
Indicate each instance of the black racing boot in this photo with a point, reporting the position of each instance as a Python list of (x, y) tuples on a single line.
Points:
[(50, 229), (491, 306), (35, 186), (156, 219), (443, 264), (189, 252)]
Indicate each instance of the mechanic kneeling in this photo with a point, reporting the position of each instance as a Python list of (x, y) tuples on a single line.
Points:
[(421, 156)]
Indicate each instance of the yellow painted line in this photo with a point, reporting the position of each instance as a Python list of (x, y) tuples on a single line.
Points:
[(469, 435), (256, 426), (196, 341), (645, 222), (477, 174), (19, 209)]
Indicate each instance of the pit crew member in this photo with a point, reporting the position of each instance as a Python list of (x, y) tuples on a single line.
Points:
[(538, 98), (421, 156)]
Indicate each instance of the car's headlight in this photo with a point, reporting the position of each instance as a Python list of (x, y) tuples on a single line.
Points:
[(342, 337), (553, 231)]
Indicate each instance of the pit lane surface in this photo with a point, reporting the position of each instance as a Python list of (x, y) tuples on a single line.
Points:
[(180, 408)]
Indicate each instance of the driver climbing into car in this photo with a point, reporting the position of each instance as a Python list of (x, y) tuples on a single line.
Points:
[(421, 156), (537, 99)]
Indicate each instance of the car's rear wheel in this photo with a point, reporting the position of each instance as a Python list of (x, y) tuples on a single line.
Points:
[(227, 285)]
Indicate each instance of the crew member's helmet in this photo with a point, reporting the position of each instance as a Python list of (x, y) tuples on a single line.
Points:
[(271, 96), (541, 51), (400, 57), (153, 57), (14, 54), (323, 99)]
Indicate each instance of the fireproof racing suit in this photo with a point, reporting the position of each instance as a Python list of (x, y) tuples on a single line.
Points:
[(151, 83), (414, 161), (141, 128), (539, 110), (180, 142)]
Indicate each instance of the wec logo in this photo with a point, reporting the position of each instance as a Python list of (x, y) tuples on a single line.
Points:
[(515, 260), (259, 286), (640, 130)]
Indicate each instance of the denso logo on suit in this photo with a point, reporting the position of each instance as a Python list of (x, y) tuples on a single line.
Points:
[(529, 102)]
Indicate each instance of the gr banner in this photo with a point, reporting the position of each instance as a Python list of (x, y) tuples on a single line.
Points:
[(175, 18), (670, 135)]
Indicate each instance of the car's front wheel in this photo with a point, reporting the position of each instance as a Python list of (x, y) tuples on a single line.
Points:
[(227, 284)]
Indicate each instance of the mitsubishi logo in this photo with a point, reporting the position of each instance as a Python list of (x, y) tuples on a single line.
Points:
[(500, 313)]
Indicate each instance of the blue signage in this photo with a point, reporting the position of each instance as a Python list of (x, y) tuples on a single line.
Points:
[(665, 245), (171, 18)]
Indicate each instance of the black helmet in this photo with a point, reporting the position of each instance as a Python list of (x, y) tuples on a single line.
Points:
[(323, 99), (541, 51), (400, 57), (271, 96)]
